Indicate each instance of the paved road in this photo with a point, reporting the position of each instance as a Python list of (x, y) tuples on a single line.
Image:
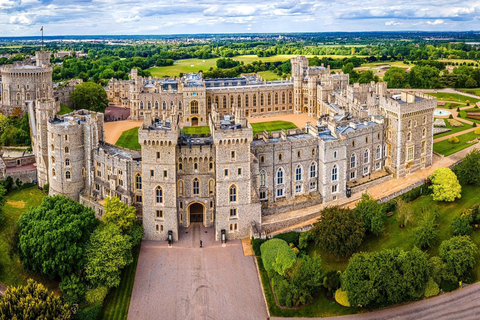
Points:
[(461, 304), (186, 282)]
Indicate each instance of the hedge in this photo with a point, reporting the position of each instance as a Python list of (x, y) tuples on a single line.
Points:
[(256, 243), (289, 237)]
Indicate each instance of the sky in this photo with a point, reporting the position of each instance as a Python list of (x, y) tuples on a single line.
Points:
[(125, 17)]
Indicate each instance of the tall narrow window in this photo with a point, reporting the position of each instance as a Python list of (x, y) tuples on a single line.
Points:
[(280, 176), (313, 170), (335, 173), (353, 161), (211, 187), (196, 186), (138, 181), (180, 187), (159, 195), (366, 156), (263, 178), (67, 175), (233, 193), (298, 173), (379, 152)]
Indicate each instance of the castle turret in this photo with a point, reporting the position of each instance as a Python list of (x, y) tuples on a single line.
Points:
[(43, 58)]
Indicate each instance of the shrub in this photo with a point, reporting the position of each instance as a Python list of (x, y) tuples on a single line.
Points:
[(449, 285), (342, 298), (458, 109), (477, 131), (461, 225), (459, 254), (432, 288), (46, 187), (73, 289), (425, 235), (304, 239), (453, 140), (445, 185), (96, 295), (389, 206), (282, 290), (372, 214), (256, 243), (92, 313), (412, 194), (474, 124), (467, 102), (450, 117), (277, 256), (331, 281), (289, 237)]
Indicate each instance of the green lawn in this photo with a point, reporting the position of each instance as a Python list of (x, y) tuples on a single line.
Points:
[(446, 96), (446, 148), (196, 130), (454, 129), (269, 75), (117, 302), (64, 110), (271, 126), (129, 139), (472, 91), (11, 270), (451, 105)]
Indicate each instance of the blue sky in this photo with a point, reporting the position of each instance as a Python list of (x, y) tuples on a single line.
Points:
[(90, 17)]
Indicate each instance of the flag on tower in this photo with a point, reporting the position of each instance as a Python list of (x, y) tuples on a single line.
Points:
[(41, 29)]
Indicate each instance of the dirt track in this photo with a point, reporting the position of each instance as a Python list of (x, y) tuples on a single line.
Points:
[(113, 130)]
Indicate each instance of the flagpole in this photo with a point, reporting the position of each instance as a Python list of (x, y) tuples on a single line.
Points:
[(42, 38)]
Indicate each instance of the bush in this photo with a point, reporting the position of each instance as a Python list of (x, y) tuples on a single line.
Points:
[(46, 187), (289, 237), (342, 298), (277, 256), (412, 194), (425, 235), (474, 125), (304, 239), (331, 281), (432, 288), (389, 206), (450, 117), (459, 254), (256, 243), (282, 290), (477, 131), (73, 289), (453, 140), (92, 313), (461, 225), (372, 214), (445, 185), (96, 295), (449, 285)]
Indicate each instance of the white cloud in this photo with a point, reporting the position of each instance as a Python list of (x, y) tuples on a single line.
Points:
[(21, 19), (128, 19), (393, 23), (438, 21)]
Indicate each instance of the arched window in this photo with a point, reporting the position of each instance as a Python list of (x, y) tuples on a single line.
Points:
[(196, 186), (283, 97), (180, 188), (164, 105), (67, 150), (216, 101), (335, 173), (290, 99), (424, 119), (180, 105), (366, 156), (261, 99), (211, 187), (409, 123), (53, 159), (194, 107), (53, 172), (269, 101), (149, 105), (313, 170), (409, 136), (276, 98), (67, 175), (263, 178), (156, 105), (224, 102), (233, 193), (141, 104), (353, 161), (254, 102), (298, 173), (424, 132), (159, 195), (280, 176), (231, 101), (138, 181), (67, 162), (379, 152), (239, 101), (209, 102), (246, 101)]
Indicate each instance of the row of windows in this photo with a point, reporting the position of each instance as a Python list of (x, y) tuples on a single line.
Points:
[(232, 193), (281, 173), (164, 105), (276, 99), (366, 156), (299, 155)]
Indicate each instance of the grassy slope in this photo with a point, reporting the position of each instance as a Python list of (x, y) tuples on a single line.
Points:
[(272, 126), (11, 270), (64, 109), (129, 139), (446, 96), (196, 130), (454, 129), (446, 148), (118, 300), (472, 91)]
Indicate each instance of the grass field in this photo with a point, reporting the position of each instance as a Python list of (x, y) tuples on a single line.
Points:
[(463, 114), (446, 96), (378, 64), (118, 300), (454, 129), (64, 110), (446, 148), (196, 130), (271, 126), (129, 139), (459, 61), (269, 75), (451, 105), (11, 270), (472, 91)]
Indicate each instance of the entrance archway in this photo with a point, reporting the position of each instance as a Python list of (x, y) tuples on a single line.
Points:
[(194, 122), (196, 212)]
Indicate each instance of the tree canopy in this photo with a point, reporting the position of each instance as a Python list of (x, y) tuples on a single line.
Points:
[(53, 236), (445, 185), (459, 254), (90, 96), (277, 256), (372, 214), (468, 171)]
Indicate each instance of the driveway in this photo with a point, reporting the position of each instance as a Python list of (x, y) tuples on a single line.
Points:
[(188, 282)]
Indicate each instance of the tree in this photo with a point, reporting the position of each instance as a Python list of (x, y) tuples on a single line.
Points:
[(277, 256), (108, 253), (461, 225), (404, 212), (459, 254), (339, 231), (90, 96), (73, 289), (32, 302), (53, 236), (385, 277), (372, 214), (468, 171), (395, 77), (425, 235), (120, 214), (445, 185), (305, 279)]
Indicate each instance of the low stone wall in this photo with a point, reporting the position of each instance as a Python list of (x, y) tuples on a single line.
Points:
[(364, 186), (92, 203), (28, 176), (20, 161), (288, 206)]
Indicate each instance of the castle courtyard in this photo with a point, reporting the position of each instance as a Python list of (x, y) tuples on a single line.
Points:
[(189, 282), (113, 130), (297, 119)]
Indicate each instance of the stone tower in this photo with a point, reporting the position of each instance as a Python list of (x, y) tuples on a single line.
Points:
[(299, 66), (43, 58)]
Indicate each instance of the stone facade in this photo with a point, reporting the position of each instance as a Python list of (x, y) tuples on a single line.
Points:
[(230, 179)]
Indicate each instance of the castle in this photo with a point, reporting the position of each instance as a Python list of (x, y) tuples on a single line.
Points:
[(230, 179)]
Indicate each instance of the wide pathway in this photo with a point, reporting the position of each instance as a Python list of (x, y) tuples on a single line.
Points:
[(462, 304), (188, 282)]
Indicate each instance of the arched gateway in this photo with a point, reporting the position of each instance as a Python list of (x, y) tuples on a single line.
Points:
[(196, 212)]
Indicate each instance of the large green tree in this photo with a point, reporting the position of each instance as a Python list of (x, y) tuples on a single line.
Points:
[(123, 216), (459, 254), (277, 255), (339, 231), (372, 214), (305, 279), (445, 185), (108, 253), (90, 96), (468, 171), (53, 236), (32, 302)]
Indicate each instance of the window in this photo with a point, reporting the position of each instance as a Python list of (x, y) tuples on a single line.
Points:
[(138, 198), (180, 166), (239, 101), (313, 170), (67, 150), (366, 139), (280, 176), (352, 175), (261, 99), (262, 159), (263, 178), (67, 175), (152, 173), (366, 156), (53, 160), (159, 195), (313, 185), (210, 165), (138, 181), (299, 154), (180, 204), (334, 188), (276, 98), (196, 186), (409, 136), (232, 155), (378, 152), (211, 187), (353, 161), (233, 193), (377, 165), (335, 173), (365, 171), (158, 155), (180, 188), (279, 192), (195, 166), (66, 137), (298, 189), (159, 214), (335, 154), (233, 213), (263, 195), (226, 172), (424, 132), (409, 123), (424, 147), (424, 119), (410, 153), (298, 173), (165, 173), (279, 157), (194, 107), (239, 171)]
